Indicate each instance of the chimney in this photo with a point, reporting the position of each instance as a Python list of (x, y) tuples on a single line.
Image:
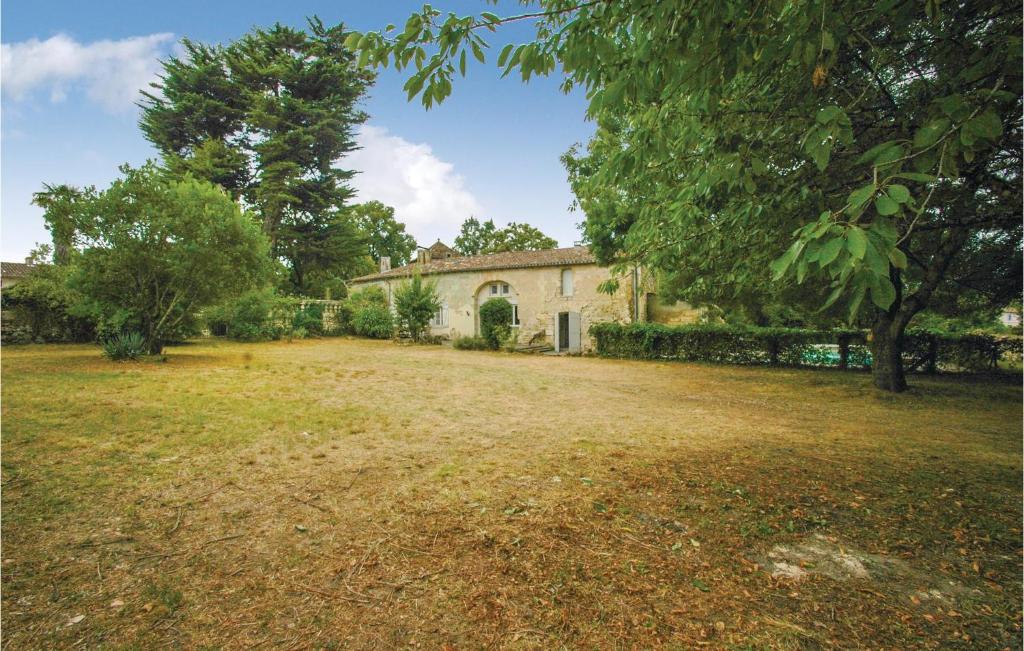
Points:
[(28, 260), (385, 263)]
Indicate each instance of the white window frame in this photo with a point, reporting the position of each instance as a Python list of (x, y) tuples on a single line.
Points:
[(515, 315), (440, 318), (494, 289), (505, 289)]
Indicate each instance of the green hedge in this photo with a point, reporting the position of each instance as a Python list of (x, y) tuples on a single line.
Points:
[(723, 344)]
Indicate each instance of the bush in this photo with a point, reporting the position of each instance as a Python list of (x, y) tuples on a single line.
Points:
[(416, 303), (250, 317), (129, 345), (470, 343), (309, 320), (43, 308), (495, 322), (342, 320), (725, 344), (372, 295), (374, 321)]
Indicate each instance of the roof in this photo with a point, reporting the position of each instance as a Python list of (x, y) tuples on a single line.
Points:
[(15, 269), (505, 260), (439, 250)]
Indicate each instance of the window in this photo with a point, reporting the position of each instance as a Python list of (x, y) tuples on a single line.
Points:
[(504, 290), (515, 316), (566, 282), (440, 317), (494, 290)]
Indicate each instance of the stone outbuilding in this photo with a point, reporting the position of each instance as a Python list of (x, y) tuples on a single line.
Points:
[(554, 293)]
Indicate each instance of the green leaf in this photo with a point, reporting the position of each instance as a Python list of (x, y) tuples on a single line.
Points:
[(832, 298), (491, 18), (860, 196), (352, 40), (930, 133), (884, 228), (898, 258), (503, 57), (898, 193), (462, 63), (870, 155), (830, 251), (886, 206), (828, 114), (781, 264), (700, 585), (856, 242), (856, 299), (882, 292), (877, 262), (987, 125), (477, 52), (828, 43)]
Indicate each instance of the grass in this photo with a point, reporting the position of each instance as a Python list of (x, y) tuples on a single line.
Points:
[(359, 494)]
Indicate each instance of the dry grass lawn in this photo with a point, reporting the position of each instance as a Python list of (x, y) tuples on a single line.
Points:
[(355, 494)]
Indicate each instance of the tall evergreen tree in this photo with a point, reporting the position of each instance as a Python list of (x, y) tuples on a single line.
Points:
[(268, 117)]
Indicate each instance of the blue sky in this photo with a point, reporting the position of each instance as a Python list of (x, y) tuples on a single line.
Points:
[(71, 71)]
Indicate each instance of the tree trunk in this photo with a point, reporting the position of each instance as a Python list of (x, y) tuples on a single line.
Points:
[(887, 355)]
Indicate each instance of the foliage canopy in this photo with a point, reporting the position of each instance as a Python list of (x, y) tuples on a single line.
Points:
[(866, 152), (267, 117), (155, 250)]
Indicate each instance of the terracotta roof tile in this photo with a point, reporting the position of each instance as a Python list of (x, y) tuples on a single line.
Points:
[(15, 269), (505, 260)]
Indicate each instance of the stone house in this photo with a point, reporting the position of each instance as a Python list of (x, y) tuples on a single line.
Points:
[(12, 273), (554, 293)]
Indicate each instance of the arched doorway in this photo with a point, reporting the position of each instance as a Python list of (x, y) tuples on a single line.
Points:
[(497, 289)]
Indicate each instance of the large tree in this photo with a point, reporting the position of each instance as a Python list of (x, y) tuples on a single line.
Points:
[(385, 235), (478, 238), (268, 117), (152, 250), (869, 151)]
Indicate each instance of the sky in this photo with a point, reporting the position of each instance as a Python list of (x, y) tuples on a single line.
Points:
[(70, 73)]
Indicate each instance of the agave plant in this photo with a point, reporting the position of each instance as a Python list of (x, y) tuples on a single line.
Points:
[(128, 345)]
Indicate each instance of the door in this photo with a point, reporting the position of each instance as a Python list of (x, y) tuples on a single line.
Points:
[(563, 332), (573, 332)]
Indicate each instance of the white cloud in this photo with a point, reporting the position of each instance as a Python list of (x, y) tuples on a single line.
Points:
[(426, 193), (111, 72)]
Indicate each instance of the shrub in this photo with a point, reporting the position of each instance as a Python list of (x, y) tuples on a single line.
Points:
[(374, 321), (341, 323), (470, 343), (416, 303), (43, 308), (495, 321), (372, 295), (309, 319), (125, 346), (248, 318), (794, 347)]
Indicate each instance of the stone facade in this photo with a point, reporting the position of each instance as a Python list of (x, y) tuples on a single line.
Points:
[(553, 292)]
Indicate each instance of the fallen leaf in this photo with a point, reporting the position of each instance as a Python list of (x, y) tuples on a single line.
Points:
[(74, 620), (116, 603)]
